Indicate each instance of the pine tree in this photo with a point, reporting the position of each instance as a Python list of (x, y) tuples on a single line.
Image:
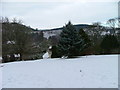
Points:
[(85, 37), (70, 43)]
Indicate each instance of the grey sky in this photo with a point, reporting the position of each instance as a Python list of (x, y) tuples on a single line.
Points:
[(43, 15)]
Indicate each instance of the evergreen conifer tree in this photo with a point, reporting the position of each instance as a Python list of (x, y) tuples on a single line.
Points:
[(85, 37), (70, 43)]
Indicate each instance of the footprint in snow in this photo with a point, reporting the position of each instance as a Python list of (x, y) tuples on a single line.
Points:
[(80, 70)]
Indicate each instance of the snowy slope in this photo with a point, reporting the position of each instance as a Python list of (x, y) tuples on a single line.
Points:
[(83, 72)]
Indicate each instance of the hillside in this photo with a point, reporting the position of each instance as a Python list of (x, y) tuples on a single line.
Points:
[(15, 25), (77, 26), (56, 31), (84, 72)]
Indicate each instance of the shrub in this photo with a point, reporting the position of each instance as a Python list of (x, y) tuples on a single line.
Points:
[(109, 43)]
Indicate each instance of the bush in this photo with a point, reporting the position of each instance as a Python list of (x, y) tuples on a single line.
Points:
[(109, 43), (37, 56), (55, 52)]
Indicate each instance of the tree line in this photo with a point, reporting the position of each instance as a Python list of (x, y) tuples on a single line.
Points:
[(18, 39)]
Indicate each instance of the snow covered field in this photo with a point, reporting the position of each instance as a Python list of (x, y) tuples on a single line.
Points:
[(85, 72)]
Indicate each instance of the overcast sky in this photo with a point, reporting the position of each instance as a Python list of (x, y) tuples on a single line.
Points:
[(44, 15)]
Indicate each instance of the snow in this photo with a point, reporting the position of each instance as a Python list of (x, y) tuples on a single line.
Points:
[(10, 42), (50, 47), (17, 55), (46, 55), (0, 59), (48, 34), (83, 72)]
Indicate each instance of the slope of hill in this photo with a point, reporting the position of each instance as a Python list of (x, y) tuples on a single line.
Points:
[(83, 72), (57, 31), (77, 26), (15, 25)]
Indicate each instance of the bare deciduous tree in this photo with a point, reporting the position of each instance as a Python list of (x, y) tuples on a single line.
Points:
[(113, 24)]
